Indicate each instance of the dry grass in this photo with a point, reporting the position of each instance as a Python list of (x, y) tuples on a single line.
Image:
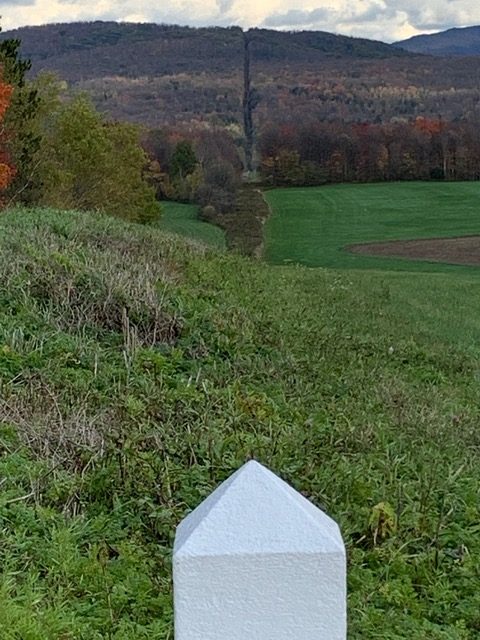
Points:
[(99, 282)]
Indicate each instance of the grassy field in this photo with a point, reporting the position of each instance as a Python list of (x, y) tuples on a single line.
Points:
[(312, 226), (435, 299), (138, 371), (182, 220)]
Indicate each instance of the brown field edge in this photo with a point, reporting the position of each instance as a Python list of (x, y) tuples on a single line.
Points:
[(463, 250)]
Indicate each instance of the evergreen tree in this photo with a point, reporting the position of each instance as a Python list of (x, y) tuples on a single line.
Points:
[(184, 160)]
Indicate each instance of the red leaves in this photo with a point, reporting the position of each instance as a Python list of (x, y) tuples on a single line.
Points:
[(7, 171), (6, 91), (429, 125)]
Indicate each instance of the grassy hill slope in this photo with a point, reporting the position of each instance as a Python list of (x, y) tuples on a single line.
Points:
[(183, 220), (137, 371)]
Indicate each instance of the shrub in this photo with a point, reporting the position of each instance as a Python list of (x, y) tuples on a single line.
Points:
[(89, 164)]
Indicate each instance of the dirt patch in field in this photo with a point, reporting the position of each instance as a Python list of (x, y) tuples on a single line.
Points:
[(462, 250)]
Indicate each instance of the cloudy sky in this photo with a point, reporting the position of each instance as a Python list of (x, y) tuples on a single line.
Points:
[(386, 20)]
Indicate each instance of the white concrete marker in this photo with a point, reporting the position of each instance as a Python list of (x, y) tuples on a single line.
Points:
[(257, 561)]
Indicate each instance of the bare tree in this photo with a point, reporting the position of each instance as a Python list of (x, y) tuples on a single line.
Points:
[(250, 101)]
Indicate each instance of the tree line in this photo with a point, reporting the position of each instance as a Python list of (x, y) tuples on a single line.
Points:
[(198, 165), (317, 152), (205, 165), (56, 150)]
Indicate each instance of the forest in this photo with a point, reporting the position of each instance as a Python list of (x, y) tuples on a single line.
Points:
[(159, 75), (317, 153)]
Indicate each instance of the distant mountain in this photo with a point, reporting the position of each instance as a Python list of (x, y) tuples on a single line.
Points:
[(454, 42), (167, 75), (80, 51)]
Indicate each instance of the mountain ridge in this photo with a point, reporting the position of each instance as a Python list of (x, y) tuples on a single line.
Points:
[(168, 75), (458, 41), (67, 47)]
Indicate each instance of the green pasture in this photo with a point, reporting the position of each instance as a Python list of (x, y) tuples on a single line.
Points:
[(182, 220), (312, 226), (442, 308)]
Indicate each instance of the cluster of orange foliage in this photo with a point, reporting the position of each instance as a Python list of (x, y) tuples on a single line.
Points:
[(7, 171), (429, 125)]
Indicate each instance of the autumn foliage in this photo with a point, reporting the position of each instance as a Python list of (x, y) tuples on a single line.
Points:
[(7, 171), (6, 91), (312, 153)]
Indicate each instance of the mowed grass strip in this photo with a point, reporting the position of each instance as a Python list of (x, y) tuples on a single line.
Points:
[(312, 226), (182, 219)]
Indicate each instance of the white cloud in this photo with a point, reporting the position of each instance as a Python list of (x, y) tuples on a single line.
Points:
[(381, 19)]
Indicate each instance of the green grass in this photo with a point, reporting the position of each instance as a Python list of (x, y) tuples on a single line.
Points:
[(311, 226), (443, 305), (182, 220), (137, 371)]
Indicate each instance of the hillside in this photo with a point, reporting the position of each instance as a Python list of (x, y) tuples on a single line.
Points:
[(453, 42), (80, 51), (137, 371), (166, 75), (161, 75)]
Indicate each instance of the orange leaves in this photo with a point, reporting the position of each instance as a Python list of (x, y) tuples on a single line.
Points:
[(429, 125), (6, 91), (7, 171)]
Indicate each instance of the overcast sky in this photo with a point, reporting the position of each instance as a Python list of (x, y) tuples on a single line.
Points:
[(386, 20)]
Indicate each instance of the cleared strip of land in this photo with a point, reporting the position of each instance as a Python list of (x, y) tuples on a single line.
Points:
[(461, 250)]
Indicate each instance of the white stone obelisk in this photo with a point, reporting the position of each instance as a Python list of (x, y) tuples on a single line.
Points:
[(258, 561)]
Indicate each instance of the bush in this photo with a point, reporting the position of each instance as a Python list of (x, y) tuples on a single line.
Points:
[(219, 187), (86, 163)]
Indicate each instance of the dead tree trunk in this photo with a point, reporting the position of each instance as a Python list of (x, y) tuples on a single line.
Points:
[(248, 106)]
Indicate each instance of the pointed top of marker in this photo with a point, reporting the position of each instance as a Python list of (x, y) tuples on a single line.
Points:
[(255, 512)]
